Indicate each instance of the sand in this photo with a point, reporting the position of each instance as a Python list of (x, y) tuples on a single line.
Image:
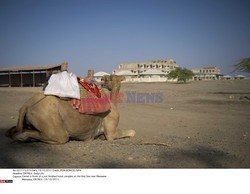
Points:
[(203, 124)]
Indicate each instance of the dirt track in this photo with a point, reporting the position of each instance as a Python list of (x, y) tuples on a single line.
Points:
[(199, 125)]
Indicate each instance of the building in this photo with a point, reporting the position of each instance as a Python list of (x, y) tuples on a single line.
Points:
[(238, 77), (207, 73), (28, 75), (130, 76), (98, 76), (149, 71), (226, 77), (154, 75)]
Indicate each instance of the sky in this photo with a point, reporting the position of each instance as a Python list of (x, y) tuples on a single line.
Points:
[(100, 34)]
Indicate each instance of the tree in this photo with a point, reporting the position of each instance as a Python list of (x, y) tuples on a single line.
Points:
[(243, 65), (182, 74)]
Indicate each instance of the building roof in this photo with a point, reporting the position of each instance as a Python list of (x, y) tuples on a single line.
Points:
[(152, 72), (100, 74), (128, 66), (126, 73), (227, 76), (29, 68), (240, 76), (209, 67), (164, 61), (136, 65)]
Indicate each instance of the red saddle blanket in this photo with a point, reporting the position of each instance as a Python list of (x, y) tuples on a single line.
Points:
[(93, 101), (90, 87)]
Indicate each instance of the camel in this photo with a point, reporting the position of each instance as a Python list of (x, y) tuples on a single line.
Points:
[(54, 121)]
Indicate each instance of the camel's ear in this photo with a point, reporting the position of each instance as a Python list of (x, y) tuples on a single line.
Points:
[(106, 78)]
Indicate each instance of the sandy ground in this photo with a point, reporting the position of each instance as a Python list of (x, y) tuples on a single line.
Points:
[(202, 124)]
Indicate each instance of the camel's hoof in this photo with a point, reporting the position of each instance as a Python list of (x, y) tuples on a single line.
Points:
[(132, 133)]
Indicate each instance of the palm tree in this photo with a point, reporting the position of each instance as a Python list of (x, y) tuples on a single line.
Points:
[(243, 65), (182, 74)]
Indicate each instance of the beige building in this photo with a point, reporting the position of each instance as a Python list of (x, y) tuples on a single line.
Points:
[(207, 73), (149, 71)]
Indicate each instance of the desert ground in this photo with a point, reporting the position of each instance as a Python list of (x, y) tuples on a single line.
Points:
[(202, 124)]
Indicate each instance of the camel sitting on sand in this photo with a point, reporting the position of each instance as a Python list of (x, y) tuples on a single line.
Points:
[(52, 120)]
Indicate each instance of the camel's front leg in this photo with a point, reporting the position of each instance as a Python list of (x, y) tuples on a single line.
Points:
[(110, 125)]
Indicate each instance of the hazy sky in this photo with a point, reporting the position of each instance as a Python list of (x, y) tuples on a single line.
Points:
[(101, 34)]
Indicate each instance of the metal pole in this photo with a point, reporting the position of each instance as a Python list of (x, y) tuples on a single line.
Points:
[(33, 80), (21, 78), (9, 79)]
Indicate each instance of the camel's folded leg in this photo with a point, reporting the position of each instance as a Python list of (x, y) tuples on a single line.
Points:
[(110, 125), (112, 134), (27, 135)]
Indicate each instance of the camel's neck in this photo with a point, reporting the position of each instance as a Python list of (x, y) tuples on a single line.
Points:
[(115, 93)]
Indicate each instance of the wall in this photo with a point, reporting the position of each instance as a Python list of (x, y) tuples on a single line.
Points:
[(27, 79)]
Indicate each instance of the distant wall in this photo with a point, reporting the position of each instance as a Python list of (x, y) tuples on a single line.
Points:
[(27, 79)]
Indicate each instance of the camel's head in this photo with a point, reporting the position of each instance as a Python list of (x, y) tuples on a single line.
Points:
[(112, 81)]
